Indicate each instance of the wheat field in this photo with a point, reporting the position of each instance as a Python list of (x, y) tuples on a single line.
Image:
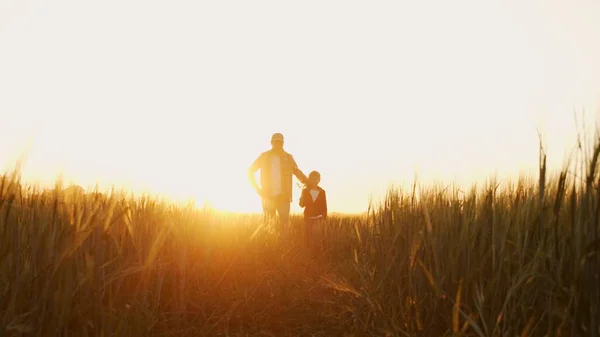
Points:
[(506, 259)]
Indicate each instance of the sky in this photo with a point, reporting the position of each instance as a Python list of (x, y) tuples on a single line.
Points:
[(179, 97)]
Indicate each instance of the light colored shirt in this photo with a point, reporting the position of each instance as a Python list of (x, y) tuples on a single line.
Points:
[(314, 193), (276, 175), (287, 169)]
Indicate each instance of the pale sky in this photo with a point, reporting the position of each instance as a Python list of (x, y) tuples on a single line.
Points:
[(179, 97)]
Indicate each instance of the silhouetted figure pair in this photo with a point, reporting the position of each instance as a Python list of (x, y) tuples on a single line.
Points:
[(277, 168)]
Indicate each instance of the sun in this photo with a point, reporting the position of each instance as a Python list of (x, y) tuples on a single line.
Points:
[(234, 200)]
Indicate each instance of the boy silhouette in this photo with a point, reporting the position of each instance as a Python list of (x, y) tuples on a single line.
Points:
[(314, 202)]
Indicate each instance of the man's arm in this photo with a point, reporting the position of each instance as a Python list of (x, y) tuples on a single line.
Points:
[(297, 172), (252, 171)]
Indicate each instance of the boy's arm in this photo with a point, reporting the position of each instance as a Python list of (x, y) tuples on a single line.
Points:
[(303, 199)]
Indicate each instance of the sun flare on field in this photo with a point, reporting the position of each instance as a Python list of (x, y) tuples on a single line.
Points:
[(179, 99)]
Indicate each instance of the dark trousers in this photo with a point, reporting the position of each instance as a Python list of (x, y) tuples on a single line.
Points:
[(279, 205), (309, 225), (308, 229)]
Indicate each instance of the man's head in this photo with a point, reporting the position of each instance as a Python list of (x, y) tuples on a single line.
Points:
[(277, 141), (314, 178)]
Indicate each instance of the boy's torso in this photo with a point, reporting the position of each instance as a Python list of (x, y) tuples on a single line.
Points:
[(313, 200), (314, 193)]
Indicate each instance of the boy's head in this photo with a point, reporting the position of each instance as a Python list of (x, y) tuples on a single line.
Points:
[(314, 178)]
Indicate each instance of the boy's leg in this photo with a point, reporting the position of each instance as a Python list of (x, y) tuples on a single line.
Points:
[(308, 228)]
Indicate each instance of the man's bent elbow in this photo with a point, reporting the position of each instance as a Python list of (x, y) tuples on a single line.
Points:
[(251, 171), (252, 178)]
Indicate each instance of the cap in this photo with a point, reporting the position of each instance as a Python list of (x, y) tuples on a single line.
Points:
[(277, 136)]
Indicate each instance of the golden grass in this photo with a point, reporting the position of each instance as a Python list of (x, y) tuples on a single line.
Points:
[(522, 260)]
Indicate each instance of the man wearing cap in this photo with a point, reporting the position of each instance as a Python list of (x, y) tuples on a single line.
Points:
[(276, 169)]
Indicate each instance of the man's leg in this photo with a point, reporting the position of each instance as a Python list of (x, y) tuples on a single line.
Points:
[(283, 208), (268, 209)]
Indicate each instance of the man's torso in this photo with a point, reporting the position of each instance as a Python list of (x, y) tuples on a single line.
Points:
[(276, 174)]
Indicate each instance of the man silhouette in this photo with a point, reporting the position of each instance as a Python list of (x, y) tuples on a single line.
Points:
[(276, 169)]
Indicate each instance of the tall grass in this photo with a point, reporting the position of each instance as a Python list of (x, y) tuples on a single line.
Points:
[(503, 260)]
